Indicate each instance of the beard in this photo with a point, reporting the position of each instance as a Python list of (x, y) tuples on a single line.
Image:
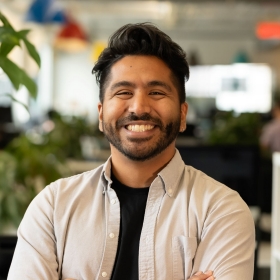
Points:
[(142, 151)]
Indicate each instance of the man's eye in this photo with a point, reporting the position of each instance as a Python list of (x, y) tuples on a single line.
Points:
[(156, 93), (124, 93)]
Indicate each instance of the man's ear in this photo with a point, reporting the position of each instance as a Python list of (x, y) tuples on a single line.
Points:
[(184, 111), (100, 116)]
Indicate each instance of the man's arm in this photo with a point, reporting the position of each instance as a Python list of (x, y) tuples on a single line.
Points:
[(35, 253), (208, 275), (227, 240)]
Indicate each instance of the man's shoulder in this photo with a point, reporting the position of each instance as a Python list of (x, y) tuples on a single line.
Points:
[(80, 177), (69, 193), (211, 199), (194, 180), (199, 177), (206, 187), (82, 184)]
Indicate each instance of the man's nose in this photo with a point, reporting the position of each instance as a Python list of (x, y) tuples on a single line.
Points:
[(139, 104)]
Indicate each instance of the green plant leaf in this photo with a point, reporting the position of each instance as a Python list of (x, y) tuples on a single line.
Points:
[(8, 39), (9, 35), (29, 84), (18, 76), (11, 70), (23, 33), (30, 47), (11, 206), (6, 48), (4, 20), (16, 100)]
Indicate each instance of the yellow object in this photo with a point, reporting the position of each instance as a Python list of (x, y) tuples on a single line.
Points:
[(97, 48)]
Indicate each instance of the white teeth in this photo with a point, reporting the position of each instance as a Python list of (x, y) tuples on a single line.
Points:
[(140, 128)]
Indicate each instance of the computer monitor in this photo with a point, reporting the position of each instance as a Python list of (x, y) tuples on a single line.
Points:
[(239, 87), (234, 166)]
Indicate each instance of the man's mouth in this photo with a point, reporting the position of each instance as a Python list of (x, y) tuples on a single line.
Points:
[(139, 128)]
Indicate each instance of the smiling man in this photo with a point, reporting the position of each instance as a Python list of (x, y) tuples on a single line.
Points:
[(141, 116), (144, 214)]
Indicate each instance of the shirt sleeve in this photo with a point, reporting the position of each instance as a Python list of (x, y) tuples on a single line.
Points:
[(35, 253), (227, 241)]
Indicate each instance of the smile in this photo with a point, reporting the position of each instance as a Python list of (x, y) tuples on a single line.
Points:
[(140, 128)]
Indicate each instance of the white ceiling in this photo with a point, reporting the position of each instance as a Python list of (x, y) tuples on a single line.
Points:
[(193, 19), (200, 19)]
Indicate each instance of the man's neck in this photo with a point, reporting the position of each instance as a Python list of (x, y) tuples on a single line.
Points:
[(139, 174)]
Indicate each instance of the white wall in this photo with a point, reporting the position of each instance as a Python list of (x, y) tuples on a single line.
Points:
[(75, 90)]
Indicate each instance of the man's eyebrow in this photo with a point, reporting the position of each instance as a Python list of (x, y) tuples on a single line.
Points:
[(159, 83), (121, 84), (133, 85)]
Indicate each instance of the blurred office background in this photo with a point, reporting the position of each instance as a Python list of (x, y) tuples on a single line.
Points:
[(233, 48)]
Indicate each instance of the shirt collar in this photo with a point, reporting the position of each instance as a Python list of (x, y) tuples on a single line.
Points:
[(170, 174), (106, 174)]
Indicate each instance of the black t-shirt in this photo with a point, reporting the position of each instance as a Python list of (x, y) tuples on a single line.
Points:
[(133, 204)]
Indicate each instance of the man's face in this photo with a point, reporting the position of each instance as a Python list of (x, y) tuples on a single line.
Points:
[(141, 114)]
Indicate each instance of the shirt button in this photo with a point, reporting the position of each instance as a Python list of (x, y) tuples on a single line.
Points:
[(170, 191), (113, 201), (112, 235), (104, 274)]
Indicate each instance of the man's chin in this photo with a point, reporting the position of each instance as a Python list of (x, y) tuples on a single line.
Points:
[(139, 152), (139, 140), (139, 157)]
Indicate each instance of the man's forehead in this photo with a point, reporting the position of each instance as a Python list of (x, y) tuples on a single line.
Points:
[(156, 68)]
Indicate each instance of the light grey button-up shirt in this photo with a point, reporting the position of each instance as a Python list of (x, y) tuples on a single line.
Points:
[(191, 223)]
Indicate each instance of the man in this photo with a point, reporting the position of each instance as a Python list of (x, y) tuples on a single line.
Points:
[(269, 143), (270, 137), (143, 214)]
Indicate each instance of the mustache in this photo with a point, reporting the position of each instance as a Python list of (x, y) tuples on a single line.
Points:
[(143, 117)]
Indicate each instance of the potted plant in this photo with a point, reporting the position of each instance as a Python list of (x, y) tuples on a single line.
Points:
[(11, 199), (231, 129), (9, 39)]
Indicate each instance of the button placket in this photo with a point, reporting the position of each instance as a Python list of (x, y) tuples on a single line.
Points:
[(112, 230), (146, 249)]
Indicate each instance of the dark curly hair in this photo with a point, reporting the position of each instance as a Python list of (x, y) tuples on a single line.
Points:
[(142, 39)]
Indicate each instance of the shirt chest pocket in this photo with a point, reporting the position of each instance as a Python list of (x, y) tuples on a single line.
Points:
[(183, 252)]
